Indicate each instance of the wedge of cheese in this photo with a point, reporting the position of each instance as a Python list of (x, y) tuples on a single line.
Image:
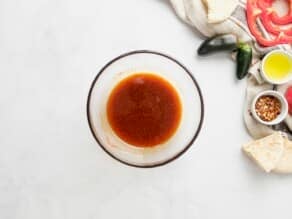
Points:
[(219, 11), (284, 165), (266, 152)]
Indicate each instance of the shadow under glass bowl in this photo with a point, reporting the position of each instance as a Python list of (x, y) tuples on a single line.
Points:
[(144, 61)]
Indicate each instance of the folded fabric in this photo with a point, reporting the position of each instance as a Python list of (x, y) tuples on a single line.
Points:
[(218, 12), (195, 13)]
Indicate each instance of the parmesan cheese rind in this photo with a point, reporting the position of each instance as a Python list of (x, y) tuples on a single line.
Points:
[(266, 152), (284, 165)]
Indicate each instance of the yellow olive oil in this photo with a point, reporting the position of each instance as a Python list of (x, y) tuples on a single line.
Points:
[(278, 66)]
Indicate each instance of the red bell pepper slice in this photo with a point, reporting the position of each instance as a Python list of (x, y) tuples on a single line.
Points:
[(275, 18), (271, 27), (288, 96), (253, 13), (287, 19), (265, 17)]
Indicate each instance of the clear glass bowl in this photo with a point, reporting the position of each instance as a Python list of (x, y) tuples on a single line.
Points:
[(166, 67)]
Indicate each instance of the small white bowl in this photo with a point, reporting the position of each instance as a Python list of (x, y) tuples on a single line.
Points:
[(266, 78), (284, 107)]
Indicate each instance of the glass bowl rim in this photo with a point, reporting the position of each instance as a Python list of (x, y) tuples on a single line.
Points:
[(185, 148)]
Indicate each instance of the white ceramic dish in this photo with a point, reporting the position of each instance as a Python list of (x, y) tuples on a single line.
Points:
[(284, 107), (166, 67), (266, 78)]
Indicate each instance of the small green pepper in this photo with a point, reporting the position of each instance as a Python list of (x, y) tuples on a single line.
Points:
[(225, 42), (243, 60)]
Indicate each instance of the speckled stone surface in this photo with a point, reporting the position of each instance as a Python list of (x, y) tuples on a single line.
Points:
[(50, 165)]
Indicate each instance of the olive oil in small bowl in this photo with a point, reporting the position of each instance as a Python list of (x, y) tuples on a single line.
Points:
[(276, 67)]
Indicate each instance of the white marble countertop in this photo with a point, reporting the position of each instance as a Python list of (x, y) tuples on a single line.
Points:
[(50, 165)]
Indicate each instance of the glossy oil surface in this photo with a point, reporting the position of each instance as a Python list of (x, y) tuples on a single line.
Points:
[(278, 66), (144, 110)]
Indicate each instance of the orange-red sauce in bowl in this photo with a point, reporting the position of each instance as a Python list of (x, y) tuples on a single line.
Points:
[(144, 110)]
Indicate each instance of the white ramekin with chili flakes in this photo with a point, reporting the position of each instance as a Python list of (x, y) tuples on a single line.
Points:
[(269, 107)]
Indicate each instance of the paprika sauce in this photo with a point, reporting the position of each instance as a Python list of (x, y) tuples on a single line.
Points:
[(144, 110)]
